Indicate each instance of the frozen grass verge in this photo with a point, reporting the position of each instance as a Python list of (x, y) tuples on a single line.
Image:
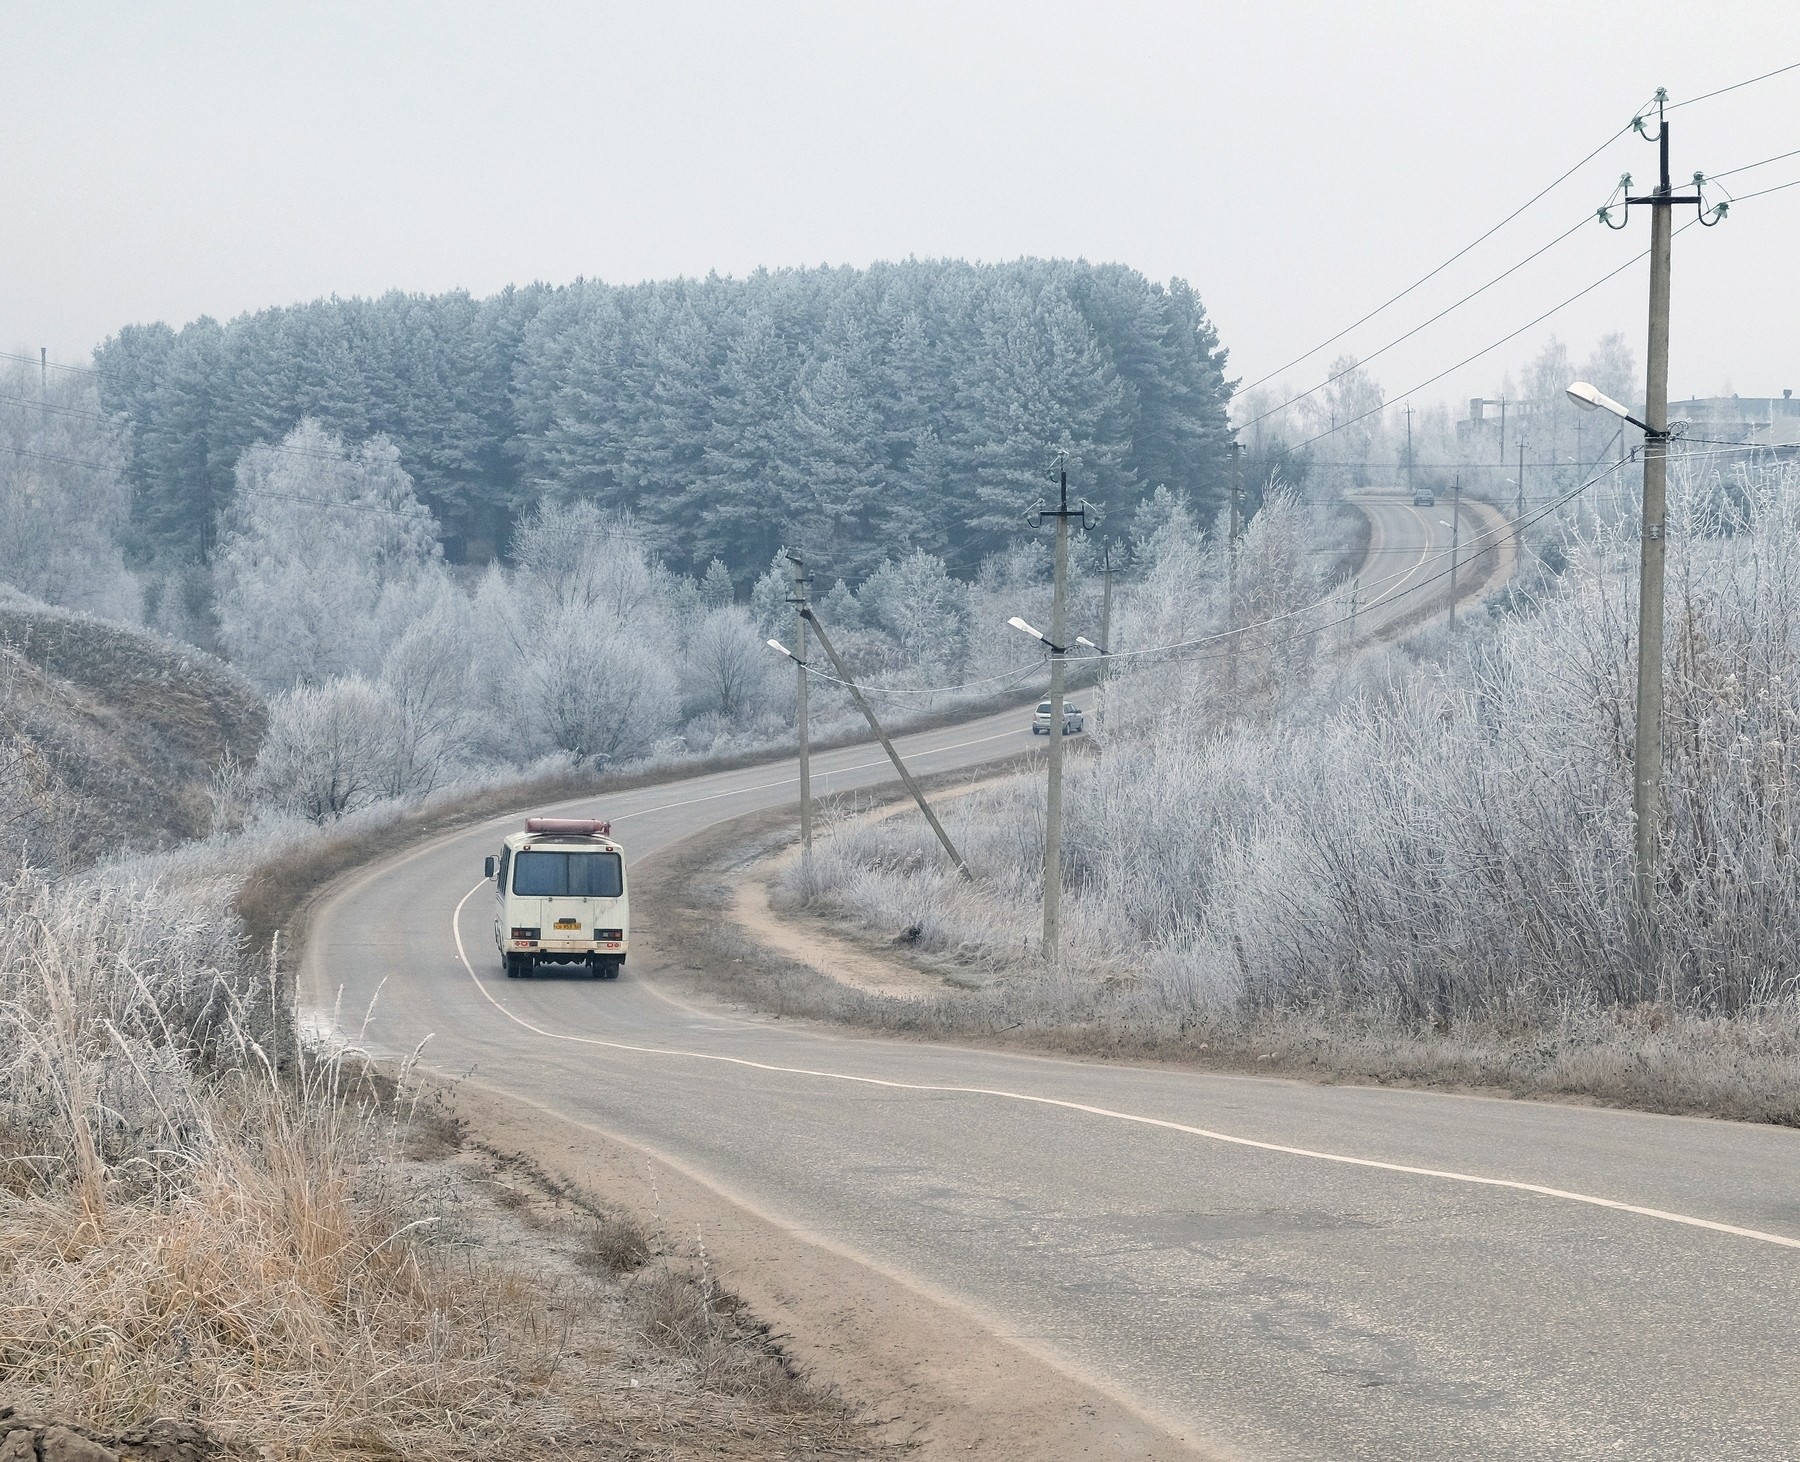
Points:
[(1649, 1056), (205, 1222)]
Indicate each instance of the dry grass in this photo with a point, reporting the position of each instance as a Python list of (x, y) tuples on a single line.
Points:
[(125, 732), (201, 1221)]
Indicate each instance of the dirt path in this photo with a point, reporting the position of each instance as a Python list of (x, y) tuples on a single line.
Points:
[(806, 940)]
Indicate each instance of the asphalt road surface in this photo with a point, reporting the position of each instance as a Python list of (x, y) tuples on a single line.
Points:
[(1406, 570), (1277, 1269)]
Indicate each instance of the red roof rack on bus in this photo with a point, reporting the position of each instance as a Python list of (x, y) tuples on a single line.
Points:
[(580, 827)]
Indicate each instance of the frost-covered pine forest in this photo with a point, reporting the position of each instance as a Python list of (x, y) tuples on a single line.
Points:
[(849, 412)]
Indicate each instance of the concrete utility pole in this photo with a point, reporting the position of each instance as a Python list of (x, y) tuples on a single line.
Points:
[(1411, 490), (906, 777), (802, 721), (1455, 544), (1647, 751), (1519, 511), (1106, 644), (1059, 631), (1237, 483)]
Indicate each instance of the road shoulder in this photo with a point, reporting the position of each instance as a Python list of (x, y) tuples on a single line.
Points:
[(932, 1375)]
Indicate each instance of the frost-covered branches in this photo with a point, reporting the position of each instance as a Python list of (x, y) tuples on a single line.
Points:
[(1442, 836), (321, 547), (64, 497)]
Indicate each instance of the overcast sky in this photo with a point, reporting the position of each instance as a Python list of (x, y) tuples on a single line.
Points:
[(1296, 163)]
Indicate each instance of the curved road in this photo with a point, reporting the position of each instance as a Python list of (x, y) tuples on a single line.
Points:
[(1274, 1269), (1406, 568)]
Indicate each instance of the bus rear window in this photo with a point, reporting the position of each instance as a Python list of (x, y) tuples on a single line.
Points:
[(569, 875)]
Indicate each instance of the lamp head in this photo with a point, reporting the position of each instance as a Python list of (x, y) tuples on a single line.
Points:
[(1591, 398), (1024, 628)]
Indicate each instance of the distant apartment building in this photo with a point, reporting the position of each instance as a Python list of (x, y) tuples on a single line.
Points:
[(1494, 426), (1767, 421)]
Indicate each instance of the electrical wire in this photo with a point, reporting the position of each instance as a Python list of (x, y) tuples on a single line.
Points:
[(1425, 279), (1732, 172), (1573, 229), (897, 692), (35, 361), (1764, 192), (60, 410), (1735, 86), (1485, 350), (60, 461)]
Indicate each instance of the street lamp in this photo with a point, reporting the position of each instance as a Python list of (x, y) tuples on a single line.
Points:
[(1020, 625), (781, 649), (1097, 649), (1592, 398)]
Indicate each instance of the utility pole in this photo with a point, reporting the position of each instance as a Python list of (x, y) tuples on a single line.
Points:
[(1237, 482), (1106, 644), (1519, 512), (802, 721), (862, 705), (1503, 429), (1411, 490), (1647, 751), (1059, 630), (1455, 544)]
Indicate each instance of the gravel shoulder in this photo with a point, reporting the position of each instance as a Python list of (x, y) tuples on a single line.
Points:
[(931, 1379)]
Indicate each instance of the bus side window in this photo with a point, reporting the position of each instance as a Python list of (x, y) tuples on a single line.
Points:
[(505, 862)]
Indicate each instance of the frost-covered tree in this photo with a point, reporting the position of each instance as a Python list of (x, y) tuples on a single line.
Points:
[(64, 495), (594, 696), (923, 608), (317, 535), (331, 749), (729, 672), (716, 591)]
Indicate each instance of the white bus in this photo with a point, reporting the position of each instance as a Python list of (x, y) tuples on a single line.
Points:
[(559, 897)]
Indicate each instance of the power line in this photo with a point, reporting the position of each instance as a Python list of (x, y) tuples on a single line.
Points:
[(1735, 86), (50, 406), (61, 461), (1575, 228), (33, 360), (1762, 192), (1486, 349), (1731, 172), (1541, 193), (1530, 324)]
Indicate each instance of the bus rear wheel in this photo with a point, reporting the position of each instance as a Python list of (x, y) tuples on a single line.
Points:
[(518, 966), (605, 966)]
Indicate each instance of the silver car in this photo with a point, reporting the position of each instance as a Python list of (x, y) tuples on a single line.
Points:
[(1072, 723)]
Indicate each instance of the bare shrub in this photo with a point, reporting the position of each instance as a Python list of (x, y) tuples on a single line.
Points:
[(1435, 844)]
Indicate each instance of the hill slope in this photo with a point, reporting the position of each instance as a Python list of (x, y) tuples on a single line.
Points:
[(110, 738)]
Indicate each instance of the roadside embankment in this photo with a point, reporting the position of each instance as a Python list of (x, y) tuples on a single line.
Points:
[(885, 944)]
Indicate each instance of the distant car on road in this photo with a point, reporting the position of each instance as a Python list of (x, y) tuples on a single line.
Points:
[(1072, 723), (1424, 498)]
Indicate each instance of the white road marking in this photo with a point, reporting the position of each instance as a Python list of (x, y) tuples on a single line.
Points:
[(1474, 1179), (1424, 553)]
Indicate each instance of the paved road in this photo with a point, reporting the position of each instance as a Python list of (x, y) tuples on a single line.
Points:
[(1287, 1271), (1406, 570)]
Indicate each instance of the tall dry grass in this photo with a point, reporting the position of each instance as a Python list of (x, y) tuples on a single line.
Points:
[(198, 1219), (1434, 846)]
